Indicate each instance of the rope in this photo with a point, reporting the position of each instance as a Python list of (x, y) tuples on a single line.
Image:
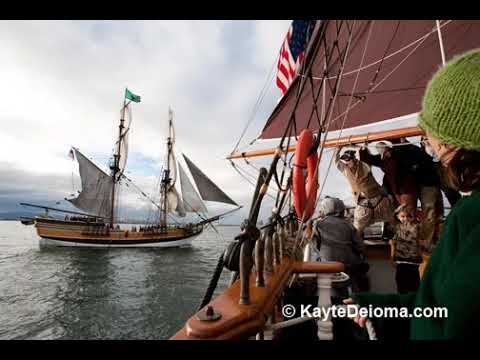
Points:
[(371, 87), (301, 235), (388, 75), (260, 98), (279, 183), (212, 284), (254, 177), (327, 59), (237, 169), (383, 58), (148, 198), (349, 103), (421, 39)]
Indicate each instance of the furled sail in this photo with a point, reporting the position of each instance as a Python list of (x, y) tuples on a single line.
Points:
[(207, 188), (171, 153), (175, 203), (191, 199), (96, 195), (122, 163), (387, 66)]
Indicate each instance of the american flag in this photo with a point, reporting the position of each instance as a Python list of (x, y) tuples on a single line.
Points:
[(292, 52)]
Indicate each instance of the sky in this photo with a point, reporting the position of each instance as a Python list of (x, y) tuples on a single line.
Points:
[(63, 84)]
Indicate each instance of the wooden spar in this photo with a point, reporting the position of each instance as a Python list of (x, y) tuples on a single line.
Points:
[(61, 210), (116, 162), (216, 217), (345, 140)]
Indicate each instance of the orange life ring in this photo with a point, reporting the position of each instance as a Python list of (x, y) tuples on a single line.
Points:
[(304, 186)]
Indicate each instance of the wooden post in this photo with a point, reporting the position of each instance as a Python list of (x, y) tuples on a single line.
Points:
[(268, 254), (276, 248), (281, 240), (246, 264), (248, 237), (260, 259)]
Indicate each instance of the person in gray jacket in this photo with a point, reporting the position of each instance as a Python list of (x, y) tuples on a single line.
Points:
[(336, 239)]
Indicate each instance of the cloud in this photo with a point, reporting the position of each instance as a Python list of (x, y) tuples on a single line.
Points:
[(63, 84)]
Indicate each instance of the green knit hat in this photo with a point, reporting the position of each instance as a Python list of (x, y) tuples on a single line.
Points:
[(451, 104)]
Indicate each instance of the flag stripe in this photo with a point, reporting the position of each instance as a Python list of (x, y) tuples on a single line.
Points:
[(291, 54)]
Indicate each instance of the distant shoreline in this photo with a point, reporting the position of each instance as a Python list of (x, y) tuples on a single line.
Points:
[(9, 219)]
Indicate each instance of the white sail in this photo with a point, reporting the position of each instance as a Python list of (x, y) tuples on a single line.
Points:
[(96, 195), (174, 203), (191, 199)]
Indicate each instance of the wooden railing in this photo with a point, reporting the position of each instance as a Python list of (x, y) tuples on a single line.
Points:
[(241, 311)]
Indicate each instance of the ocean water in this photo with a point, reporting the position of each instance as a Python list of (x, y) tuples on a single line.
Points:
[(81, 293)]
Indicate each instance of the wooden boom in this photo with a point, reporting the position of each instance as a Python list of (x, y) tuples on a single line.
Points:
[(345, 140), (61, 210)]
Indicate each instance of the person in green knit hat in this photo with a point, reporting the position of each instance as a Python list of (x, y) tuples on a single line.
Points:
[(450, 117)]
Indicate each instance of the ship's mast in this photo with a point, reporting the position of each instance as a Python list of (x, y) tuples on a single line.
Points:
[(166, 173), (116, 161)]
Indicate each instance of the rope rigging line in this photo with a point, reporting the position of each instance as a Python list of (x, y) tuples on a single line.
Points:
[(264, 93), (291, 123), (385, 78), (260, 98), (300, 237), (278, 188), (252, 181), (327, 58), (252, 176), (372, 82), (345, 116), (291, 126), (306, 69), (255, 206), (421, 39), (237, 169), (279, 183), (148, 198), (348, 107), (155, 189), (334, 89)]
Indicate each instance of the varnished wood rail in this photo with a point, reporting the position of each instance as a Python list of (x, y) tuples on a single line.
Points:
[(238, 322)]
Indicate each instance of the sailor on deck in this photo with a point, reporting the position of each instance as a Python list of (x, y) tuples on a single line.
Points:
[(337, 240), (398, 178), (372, 203)]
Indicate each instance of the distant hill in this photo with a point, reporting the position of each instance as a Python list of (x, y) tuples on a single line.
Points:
[(15, 215)]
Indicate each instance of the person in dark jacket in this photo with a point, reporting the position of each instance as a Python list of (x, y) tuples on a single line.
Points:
[(426, 177), (398, 179), (336, 239)]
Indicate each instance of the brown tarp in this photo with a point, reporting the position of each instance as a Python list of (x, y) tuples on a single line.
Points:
[(400, 57)]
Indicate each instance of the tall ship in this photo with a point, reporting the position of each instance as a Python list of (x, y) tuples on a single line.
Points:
[(97, 224), (348, 82)]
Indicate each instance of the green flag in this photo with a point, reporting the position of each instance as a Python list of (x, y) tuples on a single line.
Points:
[(131, 96)]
